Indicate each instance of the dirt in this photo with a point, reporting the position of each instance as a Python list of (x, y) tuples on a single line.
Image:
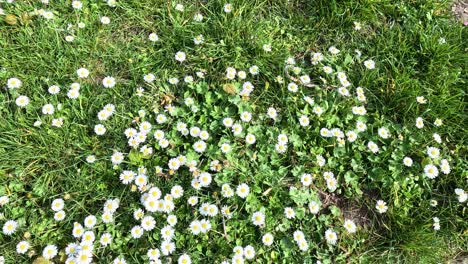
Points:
[(460, 10), (349, 208)]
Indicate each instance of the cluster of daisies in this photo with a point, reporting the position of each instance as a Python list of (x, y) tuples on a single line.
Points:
[(210, 214)]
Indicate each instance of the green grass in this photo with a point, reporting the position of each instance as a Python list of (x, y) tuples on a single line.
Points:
[(39, 164)]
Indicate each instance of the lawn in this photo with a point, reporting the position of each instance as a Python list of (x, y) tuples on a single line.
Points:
[(262, 131)]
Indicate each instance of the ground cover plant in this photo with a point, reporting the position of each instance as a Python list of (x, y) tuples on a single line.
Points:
[(232, 132)]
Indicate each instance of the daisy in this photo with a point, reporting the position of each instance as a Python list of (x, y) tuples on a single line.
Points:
[(298, 235), (383, 132), (407, 161), (249, 252), (198, 39), (180, 56), (341, 76), (4, 200), (99, 129), (237, 129), (205, 225), (90, 221), (149, 78), (238, 250), (305, 79), (153, 254), (331, 237), (59, 216), (231, 73), (73, 93), (105, 20), (82, 73), (370, 64), (306, 179), (198, 17), (303, 245), (333, 50), (10, 227), (167, 247), (357, 26), (431, 171), (318, 110), (242, 190), (107, 217), (324, 132), (199, 146), (69, 38), (254, 70), (258, 218), (320, 160), (281, 148), (88, 236), (381, 206), (105, 239), (361, 126), (373, 147), (292, 87), (77, 4), (119, 260), (350, 226), (419, 122), (250, 139), (108, 82), (49, 252), (184, 259), (267, 239), (246, 116), (167, 233), (171, 220), (444, 166), (153, 37), (225, 148), (304, 121), (22, 101), (179, 7), (54, 89), (327, 69), (351, 135), (173, 80), (289, 213), (117, 158), (204, 135), (433, 152), (316, 58), (359, 110), (57, 122), (14, 83), (436, 223), (421, 99), (205, 179), (195, 227), (177, 191), (332, 184), (22, 247), (342, 90), (461, 195), (57, 204), (136, 232), (272, 113)]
